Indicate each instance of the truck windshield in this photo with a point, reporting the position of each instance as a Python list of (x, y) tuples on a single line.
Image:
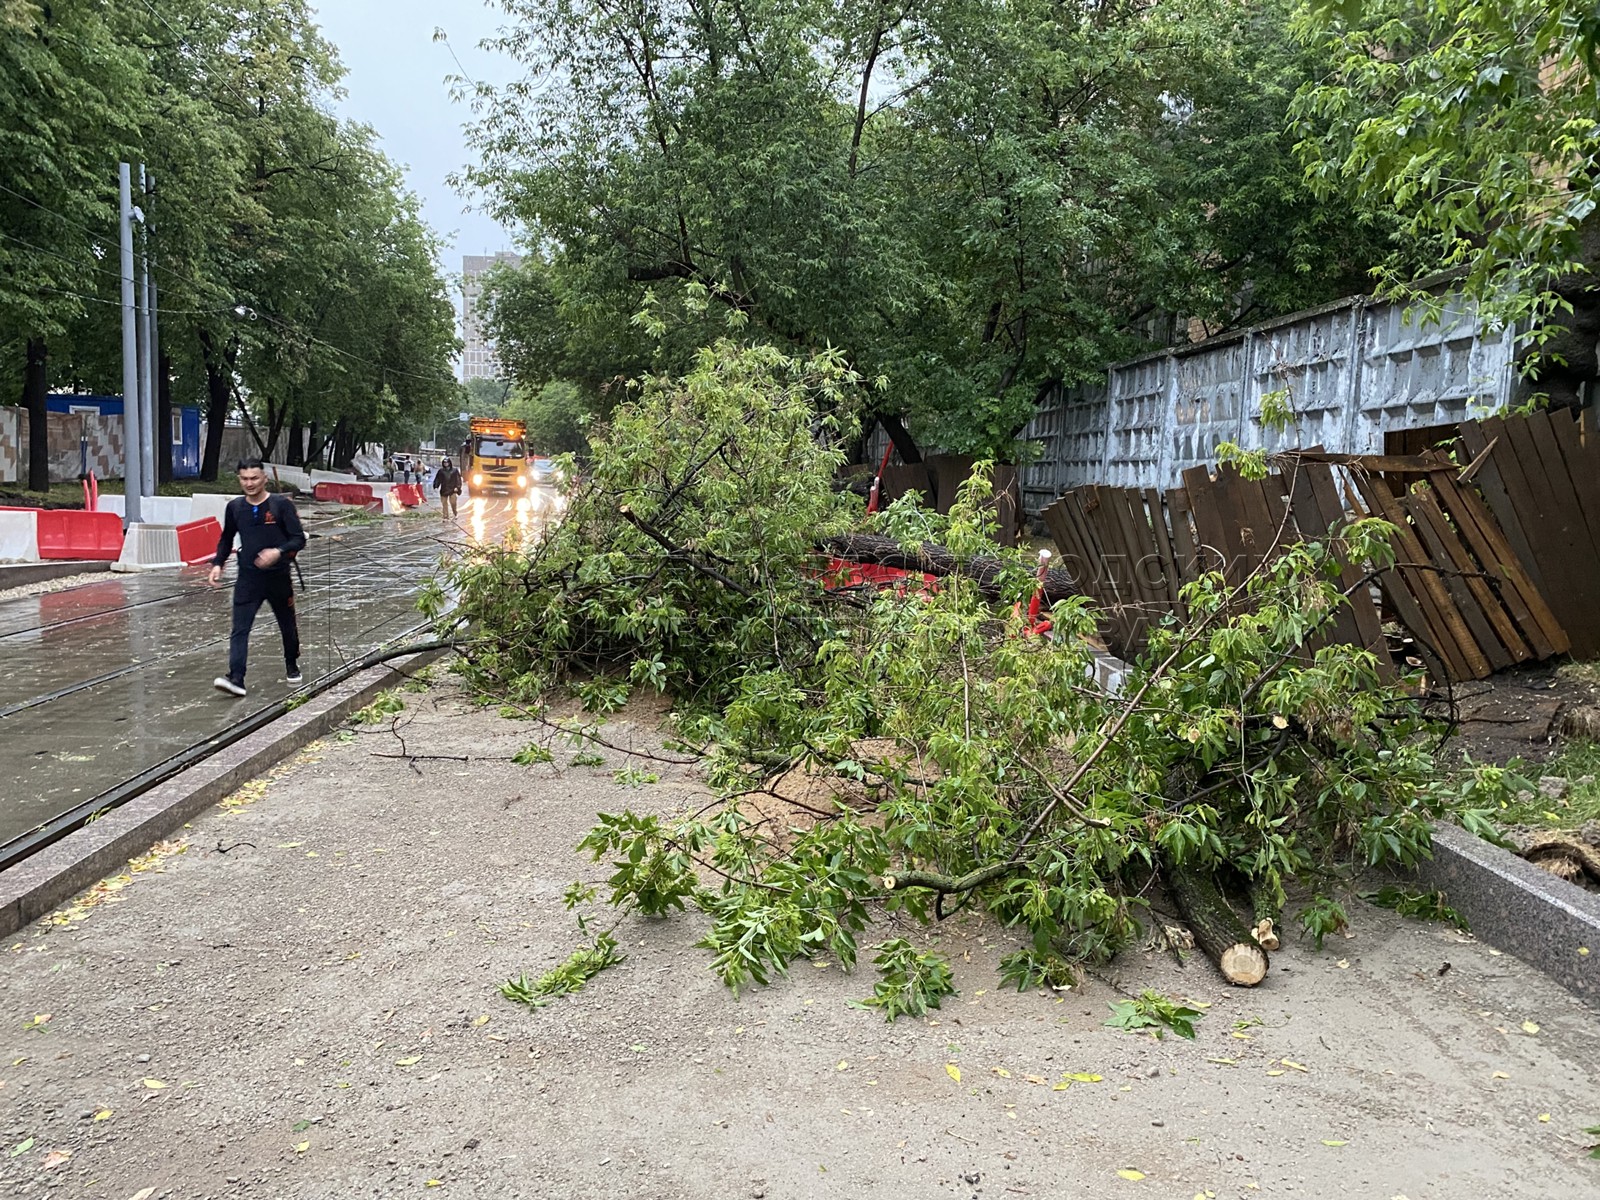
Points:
[(498, 448)]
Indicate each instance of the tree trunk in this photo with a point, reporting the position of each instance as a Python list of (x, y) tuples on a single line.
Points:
[(35, 387), (297, 443), (250, 424), (901, 437), (219, 397), (1216, 927), (164, 418), (1268, 916), (276, 413), (936, 560), (341, 454)]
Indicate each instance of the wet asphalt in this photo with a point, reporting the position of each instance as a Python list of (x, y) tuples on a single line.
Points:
[(103, 681)]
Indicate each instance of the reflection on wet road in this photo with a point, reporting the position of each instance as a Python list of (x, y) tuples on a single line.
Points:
[(103, 681)]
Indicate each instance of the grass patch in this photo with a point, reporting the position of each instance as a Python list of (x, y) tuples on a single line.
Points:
[(1578, 764), (70, 494)]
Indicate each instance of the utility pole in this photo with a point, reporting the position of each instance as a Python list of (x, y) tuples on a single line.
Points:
[(147, 365), (156, 426), (131, 441)]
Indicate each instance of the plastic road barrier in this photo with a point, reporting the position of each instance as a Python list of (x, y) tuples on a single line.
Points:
[(19, 535), (73, 533), (150, 548), (343, 493), (409, 494), (197, 540)]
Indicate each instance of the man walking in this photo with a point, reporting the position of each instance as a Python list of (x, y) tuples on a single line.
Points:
[(447, 482), (270, 535)]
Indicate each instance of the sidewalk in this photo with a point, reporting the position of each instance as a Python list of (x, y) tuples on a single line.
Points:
[(298, 998)]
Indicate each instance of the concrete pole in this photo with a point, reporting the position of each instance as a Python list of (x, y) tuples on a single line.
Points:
[(131, 440), (153, 478), (147, 366), (156, 430)]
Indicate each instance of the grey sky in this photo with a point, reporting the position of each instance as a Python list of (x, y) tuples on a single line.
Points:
[(396, 84)]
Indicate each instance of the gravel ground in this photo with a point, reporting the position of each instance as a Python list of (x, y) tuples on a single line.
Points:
[(297, 998), (51, 585)]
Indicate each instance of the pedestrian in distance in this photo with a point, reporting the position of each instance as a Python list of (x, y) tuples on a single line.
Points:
[(270, 535), (448, 484)]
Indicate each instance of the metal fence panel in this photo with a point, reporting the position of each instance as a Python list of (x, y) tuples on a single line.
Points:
[(1208, 405), (1139, 406), (1352, 372)]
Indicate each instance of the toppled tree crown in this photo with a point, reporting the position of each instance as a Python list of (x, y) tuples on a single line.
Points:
[(920, 752)]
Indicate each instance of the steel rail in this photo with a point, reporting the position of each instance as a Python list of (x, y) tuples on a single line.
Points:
[(49, 832)]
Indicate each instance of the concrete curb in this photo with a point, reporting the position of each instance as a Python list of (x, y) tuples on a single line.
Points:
[(21, 574), (38, 885), (1514, 906)]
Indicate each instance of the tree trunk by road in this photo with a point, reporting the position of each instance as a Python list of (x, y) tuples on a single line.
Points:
[(936, 560), (35, 387), (163, 429), (219, 395)]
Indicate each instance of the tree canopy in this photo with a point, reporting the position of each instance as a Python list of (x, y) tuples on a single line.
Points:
[(296, 279), (972, 200), (1475, 120)]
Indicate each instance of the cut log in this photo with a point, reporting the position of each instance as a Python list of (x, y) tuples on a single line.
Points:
[(1564, 857), (1268, 914), (936, 560), (1216, 927)]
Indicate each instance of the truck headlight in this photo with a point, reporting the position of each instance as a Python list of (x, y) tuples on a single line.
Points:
[(522, 481), (477, 479)]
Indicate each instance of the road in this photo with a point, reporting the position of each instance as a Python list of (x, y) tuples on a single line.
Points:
[(105, 680)]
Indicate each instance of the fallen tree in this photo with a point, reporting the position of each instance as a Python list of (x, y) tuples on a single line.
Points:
[(949, 758), (933, 559)]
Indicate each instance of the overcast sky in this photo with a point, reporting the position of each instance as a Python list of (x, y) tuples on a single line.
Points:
[(396, 84)]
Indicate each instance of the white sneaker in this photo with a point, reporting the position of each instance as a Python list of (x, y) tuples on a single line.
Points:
[(223, 684), (294, 676)]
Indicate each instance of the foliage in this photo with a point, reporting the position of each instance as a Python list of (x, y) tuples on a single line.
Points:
[(295, 279), (1425, 906), (1322, 917), (1474, 119), (1153, 1011), (582, 965), (532, 754), (950, 759), (705, 580), (973, 199), (385, 705), (910, 981), (1512, 797)]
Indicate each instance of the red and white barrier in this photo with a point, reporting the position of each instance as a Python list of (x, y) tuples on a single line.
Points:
[(19, 535), (197, 541)]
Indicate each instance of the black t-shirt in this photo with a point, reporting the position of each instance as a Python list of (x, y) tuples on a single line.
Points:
[(273, 523)]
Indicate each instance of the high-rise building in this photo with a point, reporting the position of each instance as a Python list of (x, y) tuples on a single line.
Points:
[(477, 356)]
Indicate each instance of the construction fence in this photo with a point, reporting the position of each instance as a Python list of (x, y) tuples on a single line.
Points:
[(1496, 547), (1350, 374)]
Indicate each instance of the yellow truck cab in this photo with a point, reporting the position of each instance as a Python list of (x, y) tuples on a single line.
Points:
[(496, 457)]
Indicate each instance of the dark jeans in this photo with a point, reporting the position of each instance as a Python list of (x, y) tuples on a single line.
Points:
[(249, 592)]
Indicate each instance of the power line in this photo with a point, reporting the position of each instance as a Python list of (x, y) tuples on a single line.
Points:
[(166, 312), (177, 33), (59, 216)]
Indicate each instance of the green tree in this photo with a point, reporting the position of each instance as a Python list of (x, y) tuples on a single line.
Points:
[(1474, 120), (72, 93), (973, 200), (556, 415)]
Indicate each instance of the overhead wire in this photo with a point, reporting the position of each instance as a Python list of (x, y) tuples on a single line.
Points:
[(232, 306)]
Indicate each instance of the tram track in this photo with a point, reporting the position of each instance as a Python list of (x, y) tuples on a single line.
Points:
[(119, 731), (52, 830)]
